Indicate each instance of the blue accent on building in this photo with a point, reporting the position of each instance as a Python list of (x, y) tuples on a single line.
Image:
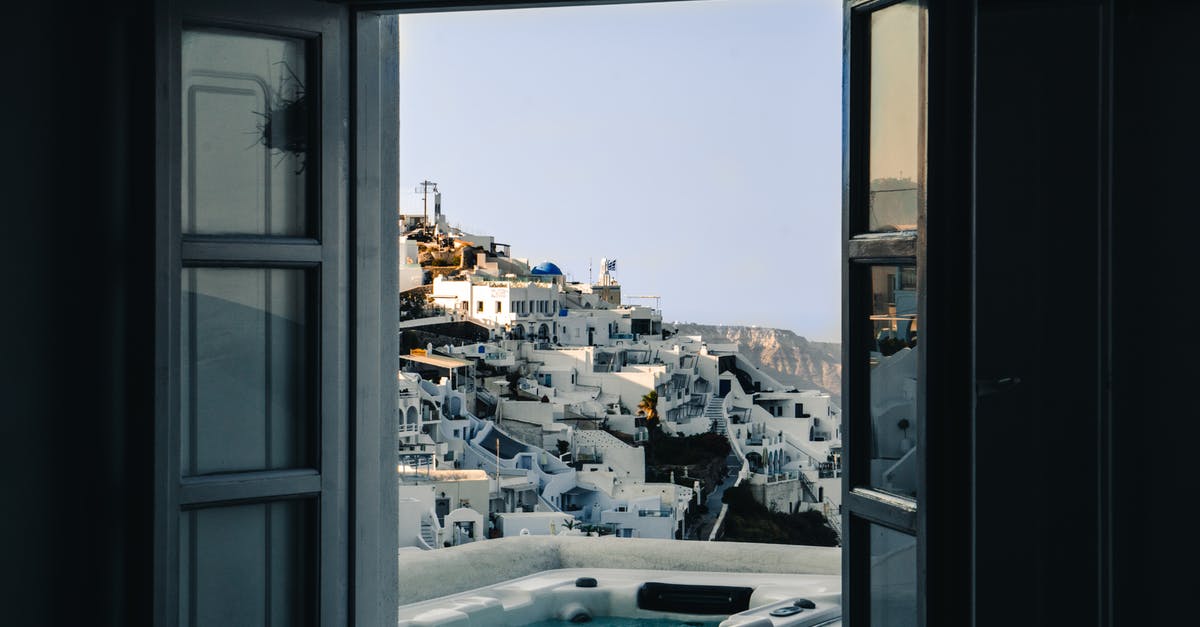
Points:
[(546, 268)]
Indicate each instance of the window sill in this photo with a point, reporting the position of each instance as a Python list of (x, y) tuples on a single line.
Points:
[(877, 246)]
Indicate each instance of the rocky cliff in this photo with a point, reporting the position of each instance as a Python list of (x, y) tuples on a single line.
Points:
[(790, 358)]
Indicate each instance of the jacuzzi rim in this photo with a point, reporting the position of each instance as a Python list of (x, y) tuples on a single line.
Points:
[(590, 571), (516, 594)]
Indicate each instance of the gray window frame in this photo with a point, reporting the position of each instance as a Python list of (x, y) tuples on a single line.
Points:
[(863, 505), (354, 339)]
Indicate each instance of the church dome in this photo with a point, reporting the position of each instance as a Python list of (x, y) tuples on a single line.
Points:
[(546, 269)]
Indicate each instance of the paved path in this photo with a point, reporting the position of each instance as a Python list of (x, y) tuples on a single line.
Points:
[(703, 528)]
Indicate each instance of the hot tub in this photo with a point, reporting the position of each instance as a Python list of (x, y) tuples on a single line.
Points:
[(581, 595)]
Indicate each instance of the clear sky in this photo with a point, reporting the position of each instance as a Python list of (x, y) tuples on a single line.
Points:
[(698, 143)]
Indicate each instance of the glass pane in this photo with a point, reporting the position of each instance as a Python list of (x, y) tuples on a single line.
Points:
[(895, 117), (251, 565), (244, 403), (893, 578), (893, 360), (245, 134)]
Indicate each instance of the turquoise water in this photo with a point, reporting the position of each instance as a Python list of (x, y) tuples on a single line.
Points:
[(617, 621)]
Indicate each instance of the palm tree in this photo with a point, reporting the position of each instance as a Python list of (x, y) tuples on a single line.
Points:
[(649, 405)]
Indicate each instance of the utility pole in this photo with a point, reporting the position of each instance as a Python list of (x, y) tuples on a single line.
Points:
[(423, 189)]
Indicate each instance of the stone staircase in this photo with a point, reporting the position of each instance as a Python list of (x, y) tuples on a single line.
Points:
[(428, 534), (715, 415)]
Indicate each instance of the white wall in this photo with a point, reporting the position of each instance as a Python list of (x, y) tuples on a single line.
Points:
[(415, 501), (628, 462), (535, 412), (538, 523)]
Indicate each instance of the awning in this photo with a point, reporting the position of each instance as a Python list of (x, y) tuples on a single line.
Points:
[(437, 361)]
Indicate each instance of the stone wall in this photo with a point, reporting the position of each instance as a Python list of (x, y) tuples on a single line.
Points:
[(787, 495)]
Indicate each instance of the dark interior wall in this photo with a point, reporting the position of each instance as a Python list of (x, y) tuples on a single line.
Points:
[(77, 371), (1038, 207), (1085, 224), (1155, 224)]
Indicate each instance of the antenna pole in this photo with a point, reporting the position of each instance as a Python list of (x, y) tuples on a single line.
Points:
[(423, 189)]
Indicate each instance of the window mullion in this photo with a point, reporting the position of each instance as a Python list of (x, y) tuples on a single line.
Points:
[(235, 251)]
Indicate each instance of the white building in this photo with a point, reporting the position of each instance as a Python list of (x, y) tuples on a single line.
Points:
[(411, 274), (517, 308)]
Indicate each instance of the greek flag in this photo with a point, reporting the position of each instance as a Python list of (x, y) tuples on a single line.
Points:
[(611, 266)]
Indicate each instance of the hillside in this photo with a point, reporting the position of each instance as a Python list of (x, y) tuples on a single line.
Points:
[(790, 358)]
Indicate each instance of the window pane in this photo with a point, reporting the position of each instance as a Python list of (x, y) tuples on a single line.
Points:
[(244, 403), (895, 117), (893, 359), (893, 578), (249, 565), (245, 132)]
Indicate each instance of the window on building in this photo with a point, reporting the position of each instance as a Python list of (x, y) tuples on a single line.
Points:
[(479, 306), (499, 306)]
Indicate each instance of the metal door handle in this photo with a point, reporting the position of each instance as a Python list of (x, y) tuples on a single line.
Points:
[(988, 387)]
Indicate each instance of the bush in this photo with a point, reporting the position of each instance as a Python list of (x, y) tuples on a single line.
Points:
[(750, 521), (741, 501), (688, 450)]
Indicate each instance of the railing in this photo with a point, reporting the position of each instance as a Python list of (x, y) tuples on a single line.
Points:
[(427, 311), (827, 470), (833, 514), (485, 395), (780, 477)]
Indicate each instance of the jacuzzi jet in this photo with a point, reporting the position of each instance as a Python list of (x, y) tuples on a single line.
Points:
[(576, 613)]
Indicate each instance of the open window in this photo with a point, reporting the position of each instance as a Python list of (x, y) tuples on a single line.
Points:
[(884, 218), (280, 221), (271, 485)]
